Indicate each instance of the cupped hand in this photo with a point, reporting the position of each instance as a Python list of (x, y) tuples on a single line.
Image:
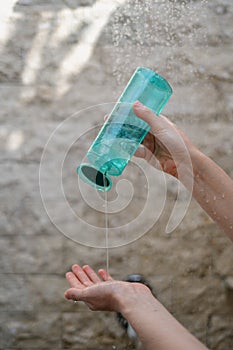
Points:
[(100, 292)]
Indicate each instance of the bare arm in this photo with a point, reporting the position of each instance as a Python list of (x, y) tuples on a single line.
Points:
[(154, 325), (210, 185), (213, 190)]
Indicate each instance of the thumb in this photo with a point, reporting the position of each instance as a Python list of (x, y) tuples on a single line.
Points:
[(144, 112), (74, 294), (157, 123)]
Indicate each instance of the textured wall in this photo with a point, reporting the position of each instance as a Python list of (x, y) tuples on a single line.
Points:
[(58, 57)]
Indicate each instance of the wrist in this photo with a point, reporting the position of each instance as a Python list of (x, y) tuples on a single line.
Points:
[(136, 296), (190, 172), (201, 165)]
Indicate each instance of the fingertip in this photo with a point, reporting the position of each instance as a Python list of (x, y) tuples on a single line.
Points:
[(102, 273), (85, 267), (140, 152), (71, 294), (75, 267), (138, 105), (105, 275), (66, 295), (143, 112)]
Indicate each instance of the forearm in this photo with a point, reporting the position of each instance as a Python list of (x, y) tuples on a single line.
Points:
[(157, 328), (213, 190)]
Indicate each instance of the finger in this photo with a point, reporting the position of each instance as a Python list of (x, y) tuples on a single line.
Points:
[(81, 275), (73, 294), (79, 295), (144, 113), (144, 152), (91, 274), (73, 281), (105, 275), (140, 152), (149, 142), (158, 124)]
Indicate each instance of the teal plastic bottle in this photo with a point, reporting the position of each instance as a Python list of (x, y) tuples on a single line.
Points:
[(123, 131)]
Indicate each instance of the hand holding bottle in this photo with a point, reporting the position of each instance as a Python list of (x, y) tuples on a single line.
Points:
[(168, 148)]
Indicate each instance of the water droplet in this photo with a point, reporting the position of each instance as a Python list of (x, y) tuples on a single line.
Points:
[(207, 201), (220, 9), (214, 198), (231, 227), (223, 195), (215, 213)]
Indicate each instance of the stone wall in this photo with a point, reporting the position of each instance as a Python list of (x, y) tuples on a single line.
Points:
[(58, 58)]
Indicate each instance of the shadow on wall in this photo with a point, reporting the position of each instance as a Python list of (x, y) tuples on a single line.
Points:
[(48, 45), (69, 31)]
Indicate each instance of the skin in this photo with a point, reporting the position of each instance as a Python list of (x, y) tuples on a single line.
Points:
[(176, 154), (170, 150), (154, 325)]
